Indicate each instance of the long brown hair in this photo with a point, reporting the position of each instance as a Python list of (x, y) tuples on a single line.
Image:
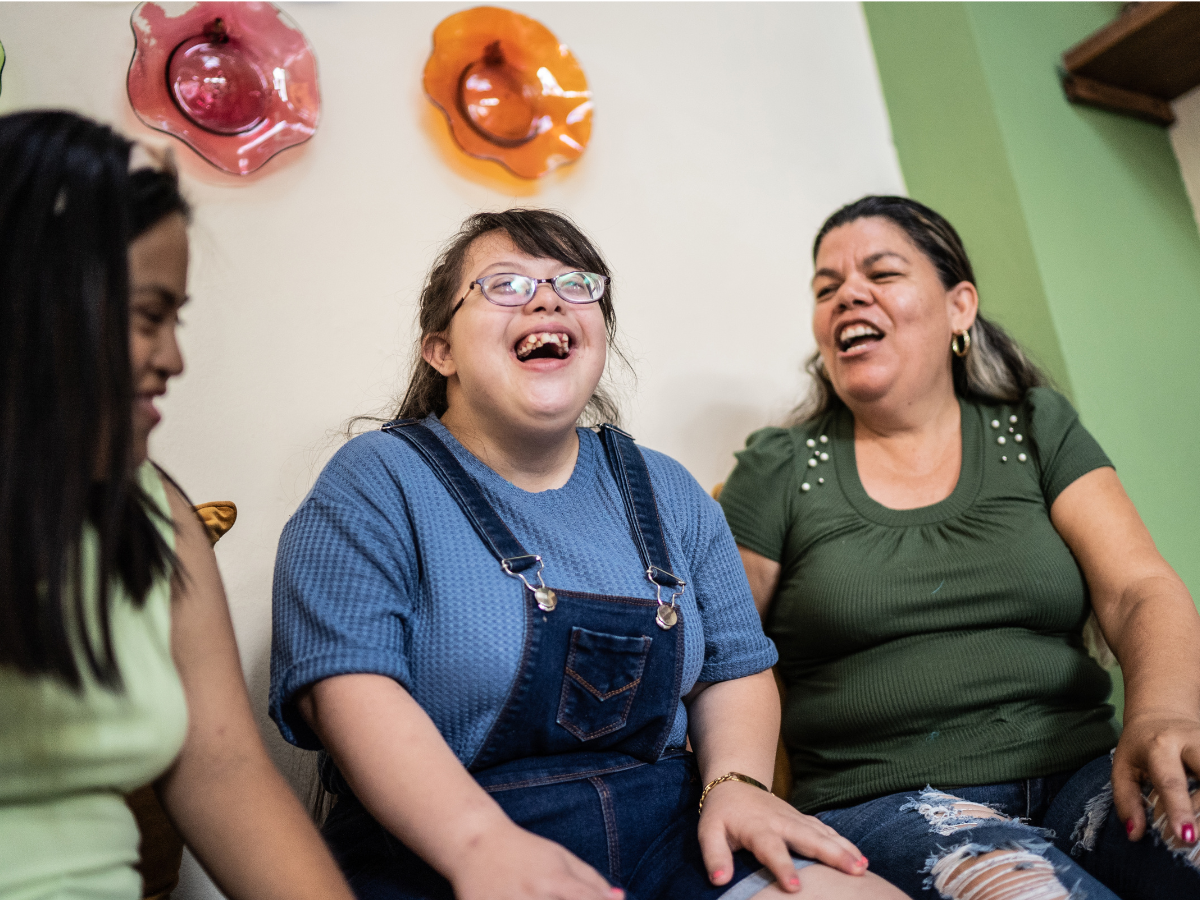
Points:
[(536, 232), (995, 370)]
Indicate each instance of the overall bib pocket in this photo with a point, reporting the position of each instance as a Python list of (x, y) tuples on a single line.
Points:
[(601, 678)]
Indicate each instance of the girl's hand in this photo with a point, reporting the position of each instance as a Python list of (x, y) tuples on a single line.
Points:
[(739, 816), (509, 863), (1158, 748)]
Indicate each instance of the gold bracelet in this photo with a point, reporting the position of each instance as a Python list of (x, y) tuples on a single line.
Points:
[(732, 776)]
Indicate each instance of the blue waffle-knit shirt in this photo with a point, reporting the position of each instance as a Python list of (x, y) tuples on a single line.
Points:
[(379, 571)]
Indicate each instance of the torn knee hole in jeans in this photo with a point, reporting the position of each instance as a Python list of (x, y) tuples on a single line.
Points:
[(1096, 812), (1156, 815), (948, 814), (1013, 871)]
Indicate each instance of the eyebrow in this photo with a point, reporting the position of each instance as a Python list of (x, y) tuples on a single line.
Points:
[(869, 261), (165, 294), (500, 267)]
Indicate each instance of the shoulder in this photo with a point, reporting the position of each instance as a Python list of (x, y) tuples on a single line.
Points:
[(374, 466), (771, 456), (670, 475), (190, 543), (1052, 421), (771, 449), (1045, 405)]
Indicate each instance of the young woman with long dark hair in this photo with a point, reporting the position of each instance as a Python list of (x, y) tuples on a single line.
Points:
[(117, 657)]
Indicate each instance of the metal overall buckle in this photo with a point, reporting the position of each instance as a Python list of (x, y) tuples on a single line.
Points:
[(668, 610), (545, 598)]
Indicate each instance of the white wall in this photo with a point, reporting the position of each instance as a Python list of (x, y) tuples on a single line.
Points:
[(723, 135), (1185, 138)]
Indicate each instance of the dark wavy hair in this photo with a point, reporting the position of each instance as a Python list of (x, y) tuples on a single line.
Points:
[(536, 232), (995, 370), (69, 209)]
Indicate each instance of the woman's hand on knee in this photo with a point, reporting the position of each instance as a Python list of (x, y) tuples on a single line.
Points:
[(1159, 750), (510, 863), (739, 816)]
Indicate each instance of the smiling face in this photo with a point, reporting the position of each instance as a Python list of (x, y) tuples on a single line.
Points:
[(158, 262), (882, 318), (528, 368)]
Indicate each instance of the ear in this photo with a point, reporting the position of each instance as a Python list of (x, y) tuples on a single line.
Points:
[(435, 350), (963, 304)]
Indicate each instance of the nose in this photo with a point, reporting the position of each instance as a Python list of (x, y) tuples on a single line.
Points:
[(168, 359), (544, 298), (854, 291)]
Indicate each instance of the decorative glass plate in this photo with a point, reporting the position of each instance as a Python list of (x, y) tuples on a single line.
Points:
[(237, 82), (510, 90)]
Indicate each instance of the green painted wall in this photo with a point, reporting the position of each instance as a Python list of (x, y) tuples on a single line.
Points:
[(1078, 222), (953, 157)]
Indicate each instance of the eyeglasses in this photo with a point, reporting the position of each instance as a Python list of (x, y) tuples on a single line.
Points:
[(508, 289)]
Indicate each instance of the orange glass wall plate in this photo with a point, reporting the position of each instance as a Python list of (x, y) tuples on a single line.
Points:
[(511, 91), (237, 82)]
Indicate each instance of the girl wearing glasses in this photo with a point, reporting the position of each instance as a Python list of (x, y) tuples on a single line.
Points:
[(503, 627)]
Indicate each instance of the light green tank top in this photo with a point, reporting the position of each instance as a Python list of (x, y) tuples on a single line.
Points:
[(67, 758)]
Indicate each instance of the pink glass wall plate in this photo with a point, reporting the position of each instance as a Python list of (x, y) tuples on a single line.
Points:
[(237, 82), (510, 90)]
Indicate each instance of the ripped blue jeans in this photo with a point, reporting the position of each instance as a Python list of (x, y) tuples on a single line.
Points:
[(1052, 838)]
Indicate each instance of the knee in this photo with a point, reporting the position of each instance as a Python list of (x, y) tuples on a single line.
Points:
[(1015, 872)]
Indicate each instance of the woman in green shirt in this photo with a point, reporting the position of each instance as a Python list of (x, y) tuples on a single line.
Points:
[(926, 545), (117, 657)]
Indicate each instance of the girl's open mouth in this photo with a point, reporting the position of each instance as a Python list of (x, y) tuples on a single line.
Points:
[(543, 345)]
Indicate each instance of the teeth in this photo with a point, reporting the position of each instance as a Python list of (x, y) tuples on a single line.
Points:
[(534, 341), (852, 332)]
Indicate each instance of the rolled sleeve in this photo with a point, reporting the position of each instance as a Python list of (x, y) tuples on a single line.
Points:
[(343, 588), (734, 643)]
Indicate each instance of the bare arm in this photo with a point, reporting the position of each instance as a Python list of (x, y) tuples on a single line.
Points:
[(1149, 620), (223, 793), (763, 575), (734, 727), (408, 778)]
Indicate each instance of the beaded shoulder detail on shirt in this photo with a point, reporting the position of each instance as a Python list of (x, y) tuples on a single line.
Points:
[(812, 448)]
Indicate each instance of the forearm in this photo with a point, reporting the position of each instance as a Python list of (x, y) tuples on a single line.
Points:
[(1154, 631), (401, 768), (734, 727), (247, 829)]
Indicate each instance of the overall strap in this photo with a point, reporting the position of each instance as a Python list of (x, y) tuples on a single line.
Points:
[(463, 488), (633, 479)]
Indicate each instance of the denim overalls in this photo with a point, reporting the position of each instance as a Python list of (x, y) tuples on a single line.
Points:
[(578, 752)]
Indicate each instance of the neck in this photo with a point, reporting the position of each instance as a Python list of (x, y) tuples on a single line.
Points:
[(909, 455), (531, 458), (927, 413)]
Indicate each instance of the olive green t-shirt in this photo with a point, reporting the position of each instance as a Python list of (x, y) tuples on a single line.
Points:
[(939, 645)]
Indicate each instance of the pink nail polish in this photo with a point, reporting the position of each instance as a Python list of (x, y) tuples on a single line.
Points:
[(1189, 833), (1129, 826), (717, 874), (794, 881), (864, 861)]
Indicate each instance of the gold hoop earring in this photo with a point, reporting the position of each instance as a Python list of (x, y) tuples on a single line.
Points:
[(961, 343)]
